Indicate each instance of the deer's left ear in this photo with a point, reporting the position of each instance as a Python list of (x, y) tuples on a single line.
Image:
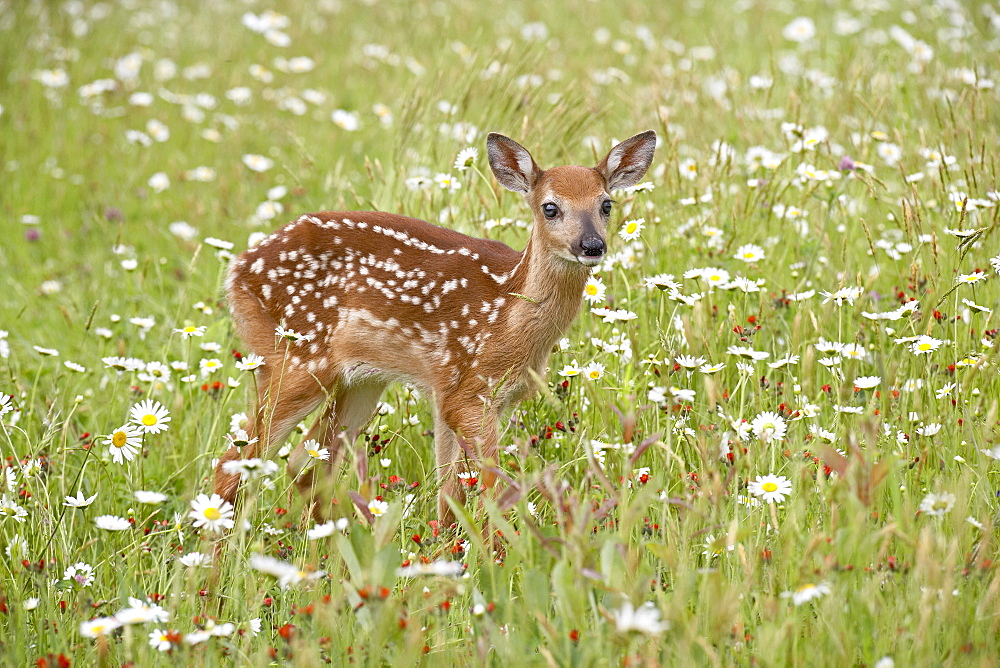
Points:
[(627, 162)]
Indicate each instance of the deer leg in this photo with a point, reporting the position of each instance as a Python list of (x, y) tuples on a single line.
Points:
[(338, 426), (464, 440), (282, 402)]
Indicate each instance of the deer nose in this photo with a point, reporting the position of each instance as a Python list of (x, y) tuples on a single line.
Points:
[(592, 246)]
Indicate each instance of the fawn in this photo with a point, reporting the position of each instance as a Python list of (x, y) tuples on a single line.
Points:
[(376, 298)]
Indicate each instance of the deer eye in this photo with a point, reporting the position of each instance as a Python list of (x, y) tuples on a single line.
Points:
[(606, 207), (550, 210)]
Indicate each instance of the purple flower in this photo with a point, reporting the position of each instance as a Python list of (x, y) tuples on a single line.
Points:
[(846, 164)]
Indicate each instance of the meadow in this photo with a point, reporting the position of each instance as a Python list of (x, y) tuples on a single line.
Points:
[(770, 438)]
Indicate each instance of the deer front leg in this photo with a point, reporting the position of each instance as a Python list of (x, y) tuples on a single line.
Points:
[(464, 442)]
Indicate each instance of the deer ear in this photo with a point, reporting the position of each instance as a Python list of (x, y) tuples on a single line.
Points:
[(627, 162), (511, 163)]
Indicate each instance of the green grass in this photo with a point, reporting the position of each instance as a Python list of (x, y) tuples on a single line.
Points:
[(903, 583)]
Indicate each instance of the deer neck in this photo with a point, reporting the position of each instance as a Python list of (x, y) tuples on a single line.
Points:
[(547, 292)]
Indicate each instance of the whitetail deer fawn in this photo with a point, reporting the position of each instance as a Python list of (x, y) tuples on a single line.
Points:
[(381, 297)]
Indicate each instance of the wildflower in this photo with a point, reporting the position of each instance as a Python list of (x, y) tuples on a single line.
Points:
[(257, 163), (164, 641), (768, 426), (211, 630), (937, 504), (801, 29), (46, 352), (73, 366), (378, 507), (784, 361), (209, 366), (843, 294), (250, 469), (665, 282), (112, 523), (141, 612), (771, 488), (925, 344), (314, 450), (212, 512), (992, 453), (291, 335), (807, 592), (327, 529), (689, 362), (466, 158), (149, 498), (976, 307), (866, 382), (594, 290), (102, 626), (250, 362), (631, 229), (570, 370), (594, 371), (945, 391), (709, 369), (716, 546), (440, 567), (79, 573), (159, 182), (9, 508), (79, 501), (746, 351), (974, 277), (286, 573), (929, 429), (749, 253), (150, 416), (191, 330), (645, 619), (124, 443), (346, 120), (196, 560), (6, 405)]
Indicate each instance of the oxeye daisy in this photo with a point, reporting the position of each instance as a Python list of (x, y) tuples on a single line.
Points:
[(250, 362), (212, 512), (466, 158), (191, 330), (96, 628), (866, 382), (378, 507), (570, 370), (937, 504), (923, 345), (631, 229), (124, 443), (806, 593), (749, 253), (112, 523), (594, 371), (594, 290), (768, 426), (314, 450), (771, 488), (974, 277), (150, 416), (9, 508), (79, 501)]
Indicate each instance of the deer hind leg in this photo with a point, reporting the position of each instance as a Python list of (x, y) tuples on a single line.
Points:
[(337, 427), (285, 396)]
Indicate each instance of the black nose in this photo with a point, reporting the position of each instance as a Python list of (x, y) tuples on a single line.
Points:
[(592, 246)]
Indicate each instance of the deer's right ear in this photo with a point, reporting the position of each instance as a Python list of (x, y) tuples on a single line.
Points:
[(511, 163)]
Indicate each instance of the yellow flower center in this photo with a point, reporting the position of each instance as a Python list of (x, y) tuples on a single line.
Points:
[(119, 439), (595, 374), (591, 289), (748, 256), (212, 514), (313, 453), (630, 228), (924, 346), (714, 277), (769, 425), (148, 420), (189, 329), (806, 587), (769, 487)]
